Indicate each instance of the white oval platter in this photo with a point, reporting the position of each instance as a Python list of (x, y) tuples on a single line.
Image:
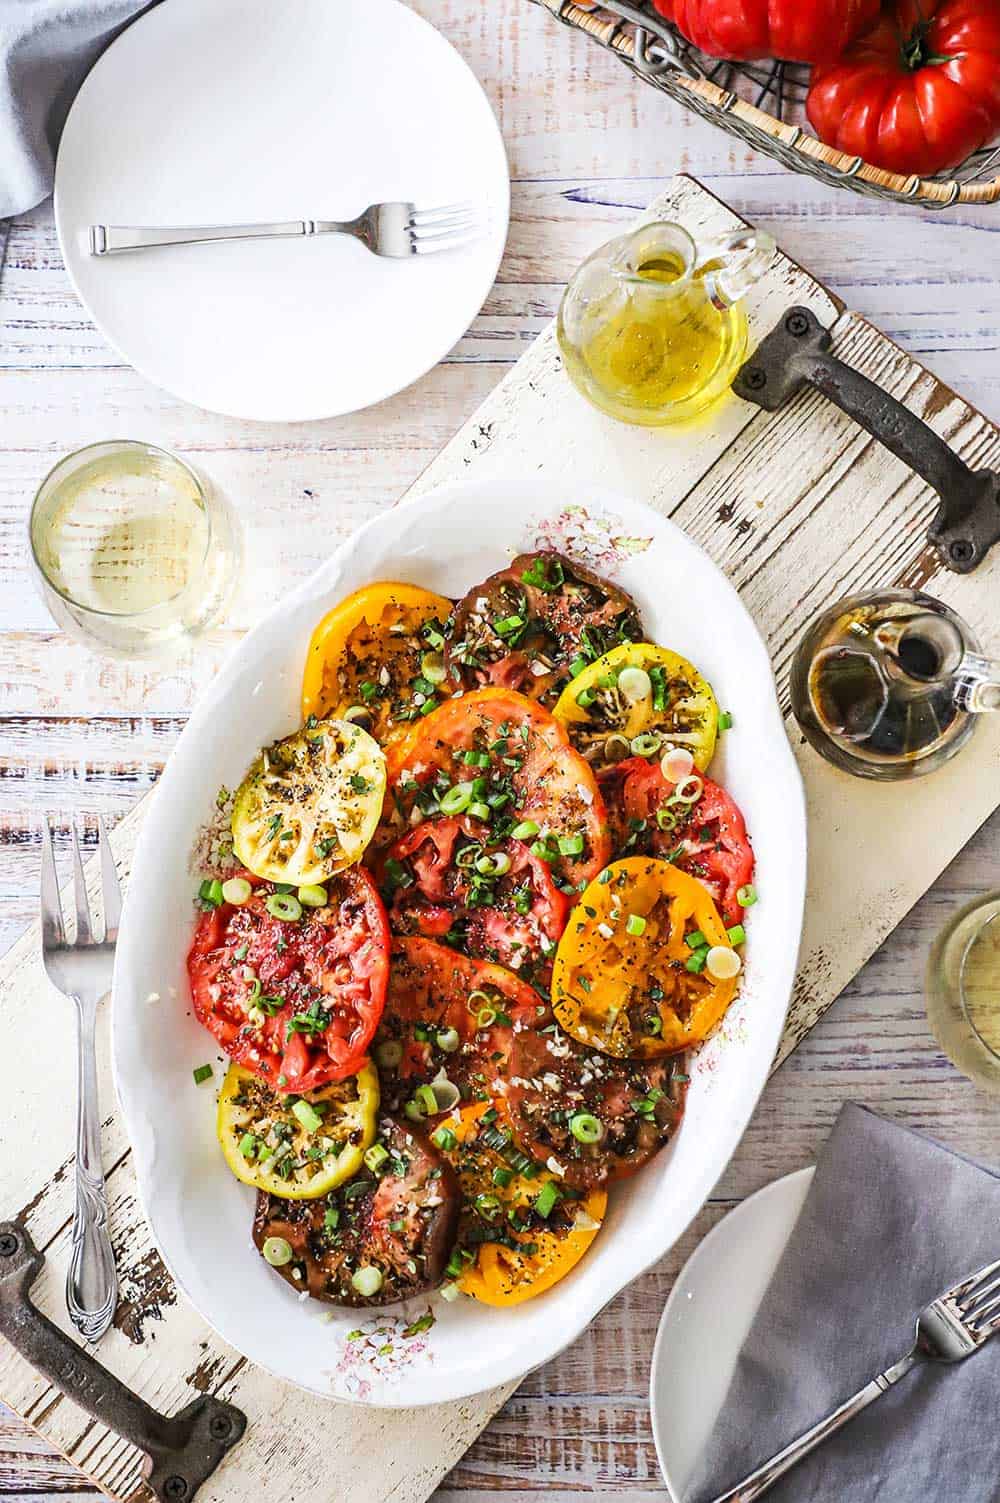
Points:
[(200, 1216)]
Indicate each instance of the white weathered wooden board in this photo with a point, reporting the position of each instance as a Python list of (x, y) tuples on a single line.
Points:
[(804, 483)]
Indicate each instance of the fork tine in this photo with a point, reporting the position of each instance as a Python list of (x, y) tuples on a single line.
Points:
[(84, 932), (52, 920), (970, 1289), (110, 887), (974, 1317), (446, 222), (426, 245), (438, 211), (970, 1304)]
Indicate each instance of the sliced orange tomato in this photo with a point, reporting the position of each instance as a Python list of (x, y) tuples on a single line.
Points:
[(543, 1228), (376, 658), (503, 760), (625, 980)]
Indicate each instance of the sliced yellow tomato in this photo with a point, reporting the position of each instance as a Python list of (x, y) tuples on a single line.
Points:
[(626, 980), (638, 700), (309, 804), (298, 1147), (547, 1226), (376, 658)]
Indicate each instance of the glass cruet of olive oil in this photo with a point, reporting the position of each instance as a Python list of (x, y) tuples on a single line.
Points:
[(652, 326)]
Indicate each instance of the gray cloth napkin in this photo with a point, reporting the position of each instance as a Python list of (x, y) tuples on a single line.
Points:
[(47, 47), (891, 1220)]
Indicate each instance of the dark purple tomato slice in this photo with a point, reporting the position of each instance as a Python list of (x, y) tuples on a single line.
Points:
[(585, 1115), (376, 1239), (524, 627)]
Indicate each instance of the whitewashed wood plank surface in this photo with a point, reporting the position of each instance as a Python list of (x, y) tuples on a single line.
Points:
[(588, 148)]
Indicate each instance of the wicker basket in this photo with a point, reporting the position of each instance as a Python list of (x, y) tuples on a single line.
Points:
[(769, 111)]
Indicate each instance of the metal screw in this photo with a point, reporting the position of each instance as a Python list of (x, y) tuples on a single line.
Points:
[(8, 1245), (961, 551), (797, 324), (220, 1427), (755, 378), (175, 1487)]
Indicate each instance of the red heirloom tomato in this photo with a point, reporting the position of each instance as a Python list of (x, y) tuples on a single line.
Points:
[(803, 31), (296, 999), (445, 1011), (448, 880), (707, 839), (507, 764), (920, 92)]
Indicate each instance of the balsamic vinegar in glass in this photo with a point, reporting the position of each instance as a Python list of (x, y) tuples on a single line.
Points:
[(888, 685)]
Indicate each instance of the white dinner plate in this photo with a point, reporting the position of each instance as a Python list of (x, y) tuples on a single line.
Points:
[(200, 1215), (270, 110), (706, 1319)]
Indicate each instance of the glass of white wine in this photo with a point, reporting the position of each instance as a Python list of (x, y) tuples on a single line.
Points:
[(135, 553), (963, 990)]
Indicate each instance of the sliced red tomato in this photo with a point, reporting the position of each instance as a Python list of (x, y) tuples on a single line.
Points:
[(503, 761), (707, 839), (494, 900), (447, 1014), (298, 1000), (590, 1118)]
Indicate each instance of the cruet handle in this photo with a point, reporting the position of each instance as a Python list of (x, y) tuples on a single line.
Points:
[(977, 684), (733, 263)]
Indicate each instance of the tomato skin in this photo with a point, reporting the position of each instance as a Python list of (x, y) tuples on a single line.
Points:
[(429, 988), (552, 784), (804, 31), (897, 104), (338, 956), (634, 790), (442, 894)]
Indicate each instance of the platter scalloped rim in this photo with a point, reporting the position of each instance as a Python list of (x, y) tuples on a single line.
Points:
[(199, 1215)]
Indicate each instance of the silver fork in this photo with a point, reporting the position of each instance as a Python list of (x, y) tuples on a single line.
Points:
[(395, 229), (951, 1328), (81, 968)]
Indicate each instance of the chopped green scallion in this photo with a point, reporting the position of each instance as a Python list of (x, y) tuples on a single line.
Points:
[(307, 1116), (546, 1198)]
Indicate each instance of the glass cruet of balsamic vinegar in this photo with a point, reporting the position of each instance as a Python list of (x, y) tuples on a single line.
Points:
[(890, 685), (652, 327)]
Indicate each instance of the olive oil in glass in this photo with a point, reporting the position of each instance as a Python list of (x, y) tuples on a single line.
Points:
[(652, 327), (135, 554)]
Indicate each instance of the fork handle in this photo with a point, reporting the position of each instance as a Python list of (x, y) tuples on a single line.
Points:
[(763, 1479), (91, 1280), (111, 239)]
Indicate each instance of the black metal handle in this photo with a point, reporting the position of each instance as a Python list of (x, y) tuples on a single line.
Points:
[(182, 1450), (797, 353)]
